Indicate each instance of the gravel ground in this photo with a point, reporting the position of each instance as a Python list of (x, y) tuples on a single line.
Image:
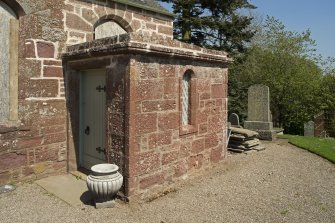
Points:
[(281, 184)]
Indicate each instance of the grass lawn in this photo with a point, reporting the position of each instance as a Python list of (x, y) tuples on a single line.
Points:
[(322, 147)]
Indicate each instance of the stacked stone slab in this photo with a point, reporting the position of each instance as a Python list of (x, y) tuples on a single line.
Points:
[(243, 140), (259, 115)]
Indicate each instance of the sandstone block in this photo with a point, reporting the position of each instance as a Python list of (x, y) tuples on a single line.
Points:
[(45, 50), (152, 180), (49, 71)]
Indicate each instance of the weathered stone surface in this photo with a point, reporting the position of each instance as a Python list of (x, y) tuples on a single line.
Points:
[(234, 119), (259, 103), (159, 105), (168, 121), (5, 17), (77, 23), (259, 115), (218, 91), (160, 139), (31, 68), (45, 50), (254, 125), (13, 160), (51, 71), (309, 128), (38, 88), (30, 49), (146, 123), (107, 29), (152, 180), (170, 157), (143, 72)]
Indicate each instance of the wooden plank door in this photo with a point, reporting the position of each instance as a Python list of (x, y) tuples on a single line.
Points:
[(92, 115)]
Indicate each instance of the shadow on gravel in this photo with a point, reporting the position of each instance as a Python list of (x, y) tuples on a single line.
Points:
[(87, 198)]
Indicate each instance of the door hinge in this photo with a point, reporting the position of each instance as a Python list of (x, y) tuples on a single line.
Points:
[(100, 88), (100, 150)]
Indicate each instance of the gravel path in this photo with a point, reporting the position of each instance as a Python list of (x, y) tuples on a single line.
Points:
[(280, 184)]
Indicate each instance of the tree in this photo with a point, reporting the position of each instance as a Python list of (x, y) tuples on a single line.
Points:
[(214, 24), (284, 61)]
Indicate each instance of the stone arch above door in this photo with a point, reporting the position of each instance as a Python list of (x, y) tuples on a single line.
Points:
[(109, 27), (14, 6)]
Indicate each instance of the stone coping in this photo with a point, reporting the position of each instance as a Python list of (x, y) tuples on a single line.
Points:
[(150, 5), (139, 43)]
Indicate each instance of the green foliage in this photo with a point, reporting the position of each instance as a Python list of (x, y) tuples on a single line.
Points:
[(322, 147), (284, 61), (214, 24)]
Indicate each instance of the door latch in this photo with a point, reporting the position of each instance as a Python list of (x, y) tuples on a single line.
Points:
[(100, 150), (87, 130), (99, 88)]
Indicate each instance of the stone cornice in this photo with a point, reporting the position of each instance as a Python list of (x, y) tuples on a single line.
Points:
[(135, 43)]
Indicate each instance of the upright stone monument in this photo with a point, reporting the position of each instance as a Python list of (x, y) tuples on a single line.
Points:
[(234, 120), (259, 115), (309, 128)]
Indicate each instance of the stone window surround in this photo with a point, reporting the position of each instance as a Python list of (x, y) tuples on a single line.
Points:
[(13, 64), (190, 128)]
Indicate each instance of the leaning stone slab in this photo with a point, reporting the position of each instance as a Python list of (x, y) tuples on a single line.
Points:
[(245, 132)]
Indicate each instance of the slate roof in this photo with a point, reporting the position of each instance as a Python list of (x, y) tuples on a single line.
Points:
[(151, 5)]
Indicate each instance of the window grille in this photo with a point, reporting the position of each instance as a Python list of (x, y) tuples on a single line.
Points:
[(186, 99)]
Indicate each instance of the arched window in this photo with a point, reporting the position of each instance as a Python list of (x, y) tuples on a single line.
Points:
[(186, 99), (107, 29), (188, 103), (8, 63)]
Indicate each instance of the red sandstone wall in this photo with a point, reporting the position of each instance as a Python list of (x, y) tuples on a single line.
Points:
[(159, 154), (81, 17), (143, 108), (35, 145)]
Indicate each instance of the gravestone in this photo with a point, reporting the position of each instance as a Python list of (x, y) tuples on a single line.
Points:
[(259, 115), (234, 119), (309, 128)]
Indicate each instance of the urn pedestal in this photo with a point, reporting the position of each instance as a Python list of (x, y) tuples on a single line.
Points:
[(104, 182)]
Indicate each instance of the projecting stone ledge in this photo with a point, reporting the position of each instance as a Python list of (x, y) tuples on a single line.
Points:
[(264, 129), (139, 43)]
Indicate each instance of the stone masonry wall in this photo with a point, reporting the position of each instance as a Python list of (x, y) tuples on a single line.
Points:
[(159, 153), (145, 136), (81, 18), (35, 146)]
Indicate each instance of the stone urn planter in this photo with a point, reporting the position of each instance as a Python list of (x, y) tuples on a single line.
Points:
[(104, 182)]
